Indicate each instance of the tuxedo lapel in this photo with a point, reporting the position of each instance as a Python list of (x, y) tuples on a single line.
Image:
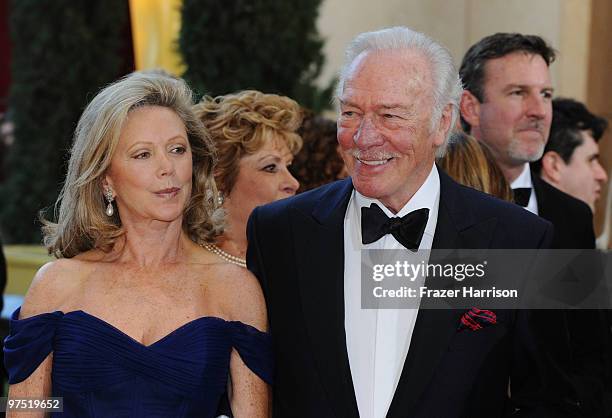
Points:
[(458, 226), (320, 261), (435, 328), (544, 209)]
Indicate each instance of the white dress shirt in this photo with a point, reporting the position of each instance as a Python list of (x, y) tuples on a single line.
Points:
[(378, 340), (524, 180)]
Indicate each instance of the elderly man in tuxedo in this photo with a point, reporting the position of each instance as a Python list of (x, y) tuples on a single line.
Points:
[(398, 96)]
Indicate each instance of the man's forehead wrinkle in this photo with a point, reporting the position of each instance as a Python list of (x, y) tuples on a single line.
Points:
[(389, 77), (380, 99)]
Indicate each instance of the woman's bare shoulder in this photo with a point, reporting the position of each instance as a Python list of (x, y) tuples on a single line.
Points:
[(245, 299), (236, 289), (54, 283)]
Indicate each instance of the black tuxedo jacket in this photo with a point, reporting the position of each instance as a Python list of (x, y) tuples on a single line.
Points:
[(571, 218), (573, 343), (296, 249)]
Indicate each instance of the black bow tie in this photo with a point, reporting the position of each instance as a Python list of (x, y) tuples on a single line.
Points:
[(408, 229), (522, 195)]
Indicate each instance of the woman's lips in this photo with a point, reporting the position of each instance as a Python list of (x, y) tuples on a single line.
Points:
[(169, 192)]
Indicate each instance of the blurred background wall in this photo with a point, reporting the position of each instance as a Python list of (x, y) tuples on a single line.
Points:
[(459, 23)]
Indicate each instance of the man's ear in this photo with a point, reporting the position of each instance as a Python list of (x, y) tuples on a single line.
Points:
[(444, 125), (470, 108), (552, 165)]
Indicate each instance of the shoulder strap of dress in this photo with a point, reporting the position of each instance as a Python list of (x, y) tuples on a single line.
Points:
[(255, 349), (29, 342)]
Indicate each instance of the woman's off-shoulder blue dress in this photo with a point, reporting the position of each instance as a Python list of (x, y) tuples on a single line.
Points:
[(102, 372)]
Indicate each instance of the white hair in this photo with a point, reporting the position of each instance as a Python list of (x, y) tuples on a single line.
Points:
[(447, 87)]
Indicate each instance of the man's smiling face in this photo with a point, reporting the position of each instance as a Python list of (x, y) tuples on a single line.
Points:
[(384, 127)]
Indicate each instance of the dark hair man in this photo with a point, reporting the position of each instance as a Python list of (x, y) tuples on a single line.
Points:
[(571, 156), (507, 104)]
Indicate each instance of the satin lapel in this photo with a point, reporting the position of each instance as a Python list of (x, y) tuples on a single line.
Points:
[(435, 328), (320, 260)]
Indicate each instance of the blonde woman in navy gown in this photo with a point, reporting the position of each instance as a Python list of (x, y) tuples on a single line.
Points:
[(135, 318)]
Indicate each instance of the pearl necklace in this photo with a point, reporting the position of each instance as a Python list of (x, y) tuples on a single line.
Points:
[(225, 255)]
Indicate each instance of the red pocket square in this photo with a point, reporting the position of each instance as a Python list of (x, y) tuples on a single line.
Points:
[(476, 319)]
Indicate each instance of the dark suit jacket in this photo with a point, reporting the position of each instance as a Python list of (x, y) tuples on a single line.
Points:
[(572, 218), (296, 249), (573, 343)]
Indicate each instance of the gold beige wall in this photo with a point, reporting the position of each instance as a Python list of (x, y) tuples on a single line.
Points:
[(459, 23), (599, 91)]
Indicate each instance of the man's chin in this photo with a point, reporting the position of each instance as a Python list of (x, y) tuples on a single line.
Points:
[(526, 156), (526, 151), (367, 187)]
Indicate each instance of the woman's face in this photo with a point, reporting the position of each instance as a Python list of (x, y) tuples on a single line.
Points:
[(263, 177), (150, 171)]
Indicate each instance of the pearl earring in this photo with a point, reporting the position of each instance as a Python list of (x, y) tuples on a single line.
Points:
[(108, 194)]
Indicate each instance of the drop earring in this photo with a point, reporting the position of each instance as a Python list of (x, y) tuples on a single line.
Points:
[(108, 194), (220, 199)]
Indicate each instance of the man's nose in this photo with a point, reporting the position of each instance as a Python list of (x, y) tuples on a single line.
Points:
[(538, 106), (367, 134), (600, 173)]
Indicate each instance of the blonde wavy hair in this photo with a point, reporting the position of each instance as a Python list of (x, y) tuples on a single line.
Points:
[(471, 163), (82, 224), (241, 123)]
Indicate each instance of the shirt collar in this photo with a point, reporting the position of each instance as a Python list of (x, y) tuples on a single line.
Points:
[(524, 179)]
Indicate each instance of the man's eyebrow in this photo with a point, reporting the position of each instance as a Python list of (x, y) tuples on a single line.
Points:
[(347, 103), (594, 156), (382, 106), (396, 106), (526, 87)]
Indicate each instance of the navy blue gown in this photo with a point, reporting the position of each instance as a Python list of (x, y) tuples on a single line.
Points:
[(102, 372)]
